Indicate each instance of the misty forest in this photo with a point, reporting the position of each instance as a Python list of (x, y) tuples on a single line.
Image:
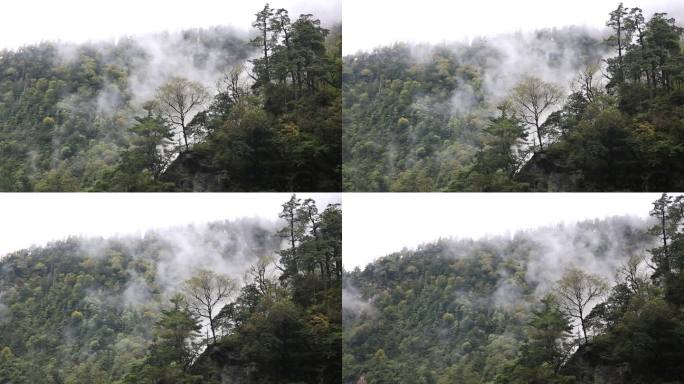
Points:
[(564, 109), (200, 110), (593, 302), (247, 301)]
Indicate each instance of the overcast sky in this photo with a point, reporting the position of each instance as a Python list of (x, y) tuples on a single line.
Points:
[(370, 23), (37, 218), (30, 21), (381, 223)]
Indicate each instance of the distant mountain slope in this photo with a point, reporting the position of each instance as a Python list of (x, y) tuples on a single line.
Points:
[(94, 116), (134, 309), (459, 310), (415, 115), (553, 110), (66, 109), (80, 305)]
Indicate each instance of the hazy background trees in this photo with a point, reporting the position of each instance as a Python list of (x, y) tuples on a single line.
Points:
[(513, 310), (121, 310), (600, 110), (76, 117)]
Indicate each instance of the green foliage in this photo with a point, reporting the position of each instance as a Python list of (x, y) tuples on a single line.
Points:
[(142, 163), (422, 119), (285, 132), (98, 311), (640, 328), (628, 136), (467, 311), (545, 350), (10, 366), (391, 135), (173, 350), (500, 159), (288, 329), (432, 316), (69, 120), (59, 322)]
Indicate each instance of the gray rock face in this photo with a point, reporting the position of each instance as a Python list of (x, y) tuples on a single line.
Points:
[(222, 363), (192, 172), (546, 173)]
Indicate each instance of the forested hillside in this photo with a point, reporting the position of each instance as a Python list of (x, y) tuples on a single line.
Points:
[(241, 301), (595, 302), (205, 109), (565, 109)]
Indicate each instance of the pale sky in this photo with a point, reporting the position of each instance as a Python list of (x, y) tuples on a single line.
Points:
[(37, 218), (30, 21), (371, 23), (376, 224)]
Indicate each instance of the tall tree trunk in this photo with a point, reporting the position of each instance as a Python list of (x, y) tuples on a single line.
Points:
[(536, 123), (211, 325), (666, 253), (185, 137), (584, 329)]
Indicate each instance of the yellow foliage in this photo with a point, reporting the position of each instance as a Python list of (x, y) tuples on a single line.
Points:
[(290, 129), (48, 121)]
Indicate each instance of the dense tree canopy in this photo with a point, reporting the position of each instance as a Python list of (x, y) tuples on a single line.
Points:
[(423, 118), (626, 135), (118, 310), (76, 118), (596, 303)]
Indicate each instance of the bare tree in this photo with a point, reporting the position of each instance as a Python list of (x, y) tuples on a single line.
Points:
[(205, 291), (588, 83), (576, 291), (534, 98), (259, 273), (633, 274), (235, 85), (178, 98)]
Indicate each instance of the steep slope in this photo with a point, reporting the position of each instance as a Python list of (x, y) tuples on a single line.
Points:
[(67, 109), (459, 310), (84, 310), (559, 110), (250, 300), (415, 116), (102, 117)]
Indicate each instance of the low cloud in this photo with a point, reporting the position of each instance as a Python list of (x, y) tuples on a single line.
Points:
[(354, 305)]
